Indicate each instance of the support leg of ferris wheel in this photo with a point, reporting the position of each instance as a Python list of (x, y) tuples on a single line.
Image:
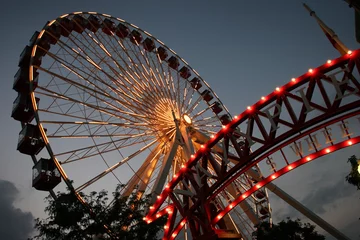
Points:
[(300, 207), (202, 138)]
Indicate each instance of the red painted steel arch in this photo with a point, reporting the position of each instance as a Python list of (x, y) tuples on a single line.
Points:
[(297, 111)]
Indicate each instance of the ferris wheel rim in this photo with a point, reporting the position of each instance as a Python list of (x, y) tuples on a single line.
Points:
[(34, 103)]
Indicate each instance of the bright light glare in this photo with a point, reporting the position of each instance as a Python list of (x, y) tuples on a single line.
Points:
[(187, 119)]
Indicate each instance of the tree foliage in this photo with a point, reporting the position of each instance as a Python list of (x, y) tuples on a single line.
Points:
[(69, 219), (287, 230), (354, 176)]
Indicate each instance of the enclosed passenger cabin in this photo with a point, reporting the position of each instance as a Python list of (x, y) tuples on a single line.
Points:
[(22, 109), (45, 175), (173, 62), (52, 33), (185, 72), (122, 31), (43, 47), (149, 44), (196, 83), (225, 119), (264, 210), (30, 141), (94, 23), (162, 52), (216, 107), (207, 96), (259, 194), (135, 37), (80, 23), (22, 82), (33, 38), (25, 57), (66, 26), (108, 27)]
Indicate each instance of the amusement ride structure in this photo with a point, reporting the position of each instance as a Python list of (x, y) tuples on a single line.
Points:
[(104, 102)]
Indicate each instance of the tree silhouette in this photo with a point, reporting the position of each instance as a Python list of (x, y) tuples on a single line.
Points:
[(70, 220), (287, 230), (354, 176)]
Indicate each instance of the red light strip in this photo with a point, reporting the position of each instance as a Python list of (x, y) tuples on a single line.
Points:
[(284, 170)]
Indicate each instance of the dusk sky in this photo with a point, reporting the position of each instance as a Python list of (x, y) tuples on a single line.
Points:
[(243, 49)]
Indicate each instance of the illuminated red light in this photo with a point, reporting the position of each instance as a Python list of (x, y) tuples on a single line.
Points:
[(243, 196), (236, 117), (158, 215), (273, 176), (218, 217), (224, 127), (349, 52), (151, 207), (166, 227), (248, 108), (258, 186), (329, 61), (202, 146), (231, 206), (173, 235), (263, 98), (212, 136), (278, 89), (159, 197), (293, 80), (144, 218), (192, 156), (327, 150), (311, 70), (290, 167), (308, 159), (349, 143), (182, 223)]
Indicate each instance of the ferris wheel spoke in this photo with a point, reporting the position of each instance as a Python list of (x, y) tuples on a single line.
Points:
[(119, 66), (103, 145), (110, 112), (114, 145), (119, 92), (71, 69), (112, 168)]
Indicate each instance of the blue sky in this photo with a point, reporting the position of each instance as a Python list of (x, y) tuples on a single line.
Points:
[(243, 49)]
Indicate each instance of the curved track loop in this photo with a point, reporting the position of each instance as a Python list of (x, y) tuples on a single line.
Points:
[(309, 117)]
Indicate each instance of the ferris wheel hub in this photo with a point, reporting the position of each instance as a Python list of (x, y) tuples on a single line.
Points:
[(187, 119)]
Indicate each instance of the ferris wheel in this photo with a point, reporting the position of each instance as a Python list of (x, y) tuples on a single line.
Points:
[(103, 102)]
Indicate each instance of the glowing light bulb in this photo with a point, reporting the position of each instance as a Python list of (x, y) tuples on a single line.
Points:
[(349, 52), (350, 143), (311, 70), (327, 150), (263, 98), (308, 158), (329, 61), (277, 89), (290, 167), (248, 108), (293, 79)]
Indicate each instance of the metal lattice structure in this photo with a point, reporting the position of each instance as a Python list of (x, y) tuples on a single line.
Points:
[(311, 116)]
